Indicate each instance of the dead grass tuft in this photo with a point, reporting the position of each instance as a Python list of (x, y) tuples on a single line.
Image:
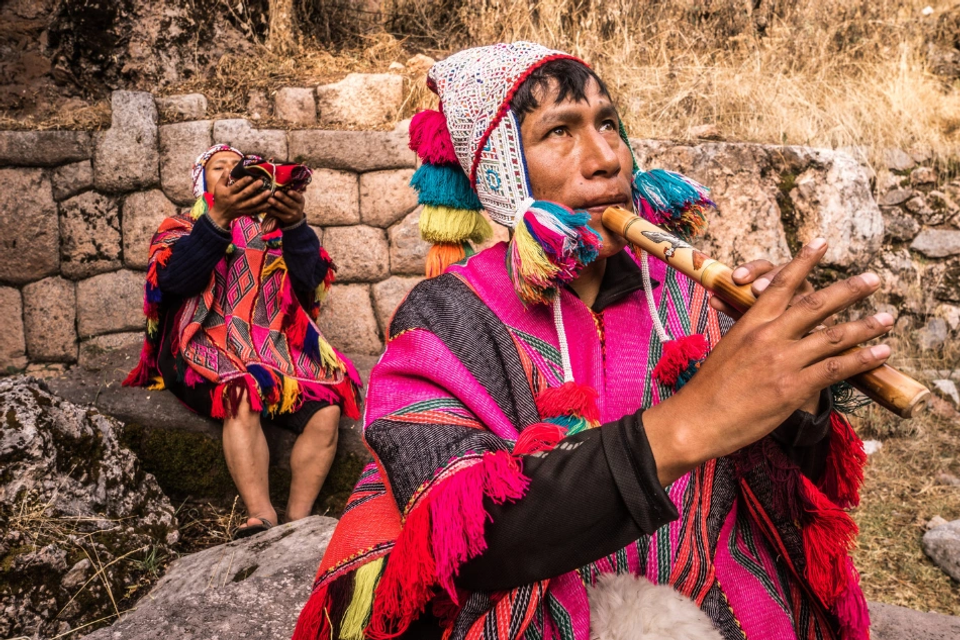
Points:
[(901, 493)]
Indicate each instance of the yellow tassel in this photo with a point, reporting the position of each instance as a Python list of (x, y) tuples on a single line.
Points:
[(321, 293), (276, 265), (153, 325), (199, 208), (328, 357), (534, 263), (358, 613), (289, 395), (157, 384), (445, 224)]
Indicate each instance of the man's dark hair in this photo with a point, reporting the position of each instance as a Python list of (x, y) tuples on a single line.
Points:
[(571, 77)]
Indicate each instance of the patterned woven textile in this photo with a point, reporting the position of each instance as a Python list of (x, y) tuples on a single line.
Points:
[(247, 331), (456, 387)]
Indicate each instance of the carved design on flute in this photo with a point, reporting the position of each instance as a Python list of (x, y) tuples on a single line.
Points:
[(675, 243)]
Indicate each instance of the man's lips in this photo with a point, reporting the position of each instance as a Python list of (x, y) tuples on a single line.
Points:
[(603, 206)]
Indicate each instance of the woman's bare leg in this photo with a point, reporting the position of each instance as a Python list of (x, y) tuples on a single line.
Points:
[(310, 461), (248, 459)]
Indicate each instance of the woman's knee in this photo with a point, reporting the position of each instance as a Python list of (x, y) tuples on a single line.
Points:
[(324, 424)]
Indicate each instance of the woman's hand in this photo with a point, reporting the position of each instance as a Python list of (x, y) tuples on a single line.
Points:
[(286, 207), (766, 367), (232, 201)]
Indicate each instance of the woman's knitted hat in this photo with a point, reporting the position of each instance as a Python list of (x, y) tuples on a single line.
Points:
[(199, 173)]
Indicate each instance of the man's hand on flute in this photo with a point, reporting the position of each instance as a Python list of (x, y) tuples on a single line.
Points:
[(767, 366)]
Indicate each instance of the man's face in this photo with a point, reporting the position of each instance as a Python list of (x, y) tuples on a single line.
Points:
[(575, 156), (219, 163)]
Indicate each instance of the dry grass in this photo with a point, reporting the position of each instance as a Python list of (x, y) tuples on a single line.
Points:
[(827, 73), (902, 493)]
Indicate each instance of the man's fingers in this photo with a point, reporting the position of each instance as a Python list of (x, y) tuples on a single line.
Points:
[(281, 207), (782, 287), (837, 368), (750, 271), (812, 309), (724, 308), (833, 340)]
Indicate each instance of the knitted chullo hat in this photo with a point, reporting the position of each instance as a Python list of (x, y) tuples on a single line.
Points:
[(199, 173)]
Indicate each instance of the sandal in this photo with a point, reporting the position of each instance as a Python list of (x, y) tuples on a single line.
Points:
[(253, 529)]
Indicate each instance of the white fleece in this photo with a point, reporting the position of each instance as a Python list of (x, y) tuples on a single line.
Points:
[(625, 607)]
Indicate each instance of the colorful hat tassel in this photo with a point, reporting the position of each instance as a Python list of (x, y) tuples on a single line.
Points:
[(673, 201), (452, 215), (550, 246), (681, 359)]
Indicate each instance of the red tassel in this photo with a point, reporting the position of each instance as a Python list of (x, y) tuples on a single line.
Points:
[(828, 536), (253, 394), (542, 436), (846, 459), (217, 409), (680, 360), (430, 138), (406, 585), (569, 399), (314, 620), (348, 391), (851, 608), (142, 373)]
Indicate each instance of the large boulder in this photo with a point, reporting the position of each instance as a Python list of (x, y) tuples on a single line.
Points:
[(360, 100), (80, 516), (90, 231), (890, 622), (772, 199), (942, 544), (252, 589)]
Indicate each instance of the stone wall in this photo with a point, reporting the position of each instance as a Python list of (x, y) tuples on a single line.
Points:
[(78, 210)]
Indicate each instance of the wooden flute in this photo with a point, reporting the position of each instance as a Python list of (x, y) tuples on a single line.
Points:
[(885, 385)]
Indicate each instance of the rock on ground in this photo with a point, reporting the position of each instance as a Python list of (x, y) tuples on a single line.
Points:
[(890, 622), (72, 501), (252, 589), (942, 545)]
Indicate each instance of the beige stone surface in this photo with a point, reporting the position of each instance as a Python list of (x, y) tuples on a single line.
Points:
[(13, 346), (188, 106), (240, 133), (50, 315), (296, 105), (142, 213), (109, 303), (351, 150), (360, 252), (93, 349), (332, 198), (71, 179), (90, 235), (44, 148), (937, 243), (180, 144), (388, 295), (386, 196), (361, 99), (126, 156), (348, 321), (30, 242), (407, 250)]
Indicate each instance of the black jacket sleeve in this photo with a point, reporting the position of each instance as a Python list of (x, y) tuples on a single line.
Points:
[(593, 494), (192, 259), (301, 252)]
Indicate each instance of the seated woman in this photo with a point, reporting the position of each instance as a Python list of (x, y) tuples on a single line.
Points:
[(232, 296)]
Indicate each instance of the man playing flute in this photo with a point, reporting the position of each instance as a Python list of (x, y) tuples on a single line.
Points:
[(564, 445)]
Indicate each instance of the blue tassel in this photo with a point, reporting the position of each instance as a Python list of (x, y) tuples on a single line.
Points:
[(311, 343), (262, 376), (154, 295), (444, 186)]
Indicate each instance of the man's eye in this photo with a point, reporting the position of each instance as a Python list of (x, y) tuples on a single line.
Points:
[(608, 125), (557, 131)]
